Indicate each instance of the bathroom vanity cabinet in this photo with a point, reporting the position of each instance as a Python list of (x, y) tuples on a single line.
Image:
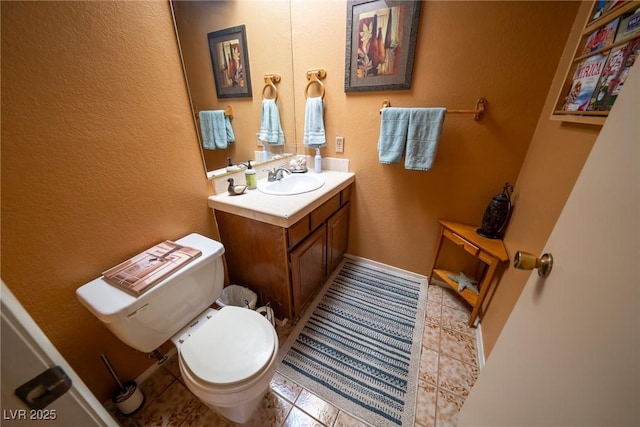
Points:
[(287, 264), (320, 252)]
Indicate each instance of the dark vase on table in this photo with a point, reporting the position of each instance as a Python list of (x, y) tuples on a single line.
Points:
[(497, 214)]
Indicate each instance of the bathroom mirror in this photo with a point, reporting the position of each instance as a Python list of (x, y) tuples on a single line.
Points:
[(268, 35)]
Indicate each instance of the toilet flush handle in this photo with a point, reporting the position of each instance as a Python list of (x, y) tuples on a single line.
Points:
[(527, 261)]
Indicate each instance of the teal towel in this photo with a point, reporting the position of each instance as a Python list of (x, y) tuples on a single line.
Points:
[(228, 129), (314, 136), (425, 126), (414, 132), (270, 127), (216, 129), (394, 125)]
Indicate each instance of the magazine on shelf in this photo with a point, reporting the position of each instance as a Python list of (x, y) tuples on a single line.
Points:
[(143, 271), (629, 26), (604, 6), (585, 79), (613, 75), (612, 4), (602, 37), (599, 9)]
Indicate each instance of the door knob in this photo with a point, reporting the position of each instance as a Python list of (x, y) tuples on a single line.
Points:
[(527, 261)]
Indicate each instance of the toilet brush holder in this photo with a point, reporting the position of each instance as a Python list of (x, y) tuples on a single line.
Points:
[(128, 397)]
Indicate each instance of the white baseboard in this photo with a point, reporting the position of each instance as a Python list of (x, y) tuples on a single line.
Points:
[(387, 266), (480, 347)]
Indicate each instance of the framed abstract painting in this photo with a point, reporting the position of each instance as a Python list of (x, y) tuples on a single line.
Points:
[(230, 61), (381, 41)]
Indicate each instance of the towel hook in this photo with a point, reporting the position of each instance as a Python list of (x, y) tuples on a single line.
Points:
[(314, 76), (269, 80)]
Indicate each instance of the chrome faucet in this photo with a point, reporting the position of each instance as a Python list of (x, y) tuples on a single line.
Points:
[(276, 174)]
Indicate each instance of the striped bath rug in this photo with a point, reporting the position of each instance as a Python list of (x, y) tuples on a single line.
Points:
[(358, 345)]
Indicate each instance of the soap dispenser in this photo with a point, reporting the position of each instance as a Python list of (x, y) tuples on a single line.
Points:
[(317, 164), (230, 166), (250, 175)]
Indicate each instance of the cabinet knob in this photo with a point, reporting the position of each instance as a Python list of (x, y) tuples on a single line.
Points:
[(527, 261)]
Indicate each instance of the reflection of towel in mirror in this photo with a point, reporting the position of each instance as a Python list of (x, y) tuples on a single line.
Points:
[(414, 132), (314, 136), (216, 129), (270, 127)]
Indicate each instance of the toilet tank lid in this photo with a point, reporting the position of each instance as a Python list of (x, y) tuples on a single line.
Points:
[(108, 302)]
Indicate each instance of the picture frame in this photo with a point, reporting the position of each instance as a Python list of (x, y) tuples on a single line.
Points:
[(230, 62), (384, 60)]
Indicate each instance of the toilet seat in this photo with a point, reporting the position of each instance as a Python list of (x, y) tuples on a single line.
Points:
[(231, 347)]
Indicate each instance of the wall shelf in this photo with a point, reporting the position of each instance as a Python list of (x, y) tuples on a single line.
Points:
[(588, 98)]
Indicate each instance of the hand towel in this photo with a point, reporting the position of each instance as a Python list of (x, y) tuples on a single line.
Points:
[(229, 130), (423, 135), (314, 136), (270, 127), (394, 125), (216, 129)]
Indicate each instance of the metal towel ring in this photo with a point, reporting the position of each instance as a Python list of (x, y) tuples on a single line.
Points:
[(312, 81), (314, 76), (271, 86), (269, 80)]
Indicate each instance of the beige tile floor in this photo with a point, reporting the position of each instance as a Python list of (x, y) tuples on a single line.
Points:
[(448, 370)]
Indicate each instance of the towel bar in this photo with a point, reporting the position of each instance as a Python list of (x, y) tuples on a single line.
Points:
[(314, 76), (269, 80), (481, 105), (227, 112)]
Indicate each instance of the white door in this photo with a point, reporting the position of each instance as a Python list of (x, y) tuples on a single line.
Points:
[(569, 355), (26, 352)]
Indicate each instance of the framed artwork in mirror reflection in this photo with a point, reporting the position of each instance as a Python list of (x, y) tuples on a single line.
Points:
[(230, 62), (381, 41)]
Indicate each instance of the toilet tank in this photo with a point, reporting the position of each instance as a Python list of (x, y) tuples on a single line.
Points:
[(146, 321)]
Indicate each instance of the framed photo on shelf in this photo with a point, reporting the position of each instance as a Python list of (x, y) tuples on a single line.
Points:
[(381, 41), (230, 62)]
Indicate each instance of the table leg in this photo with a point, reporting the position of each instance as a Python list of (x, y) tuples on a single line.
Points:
[(484, 288)]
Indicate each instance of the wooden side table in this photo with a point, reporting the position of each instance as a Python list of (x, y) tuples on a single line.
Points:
[(491, 252)]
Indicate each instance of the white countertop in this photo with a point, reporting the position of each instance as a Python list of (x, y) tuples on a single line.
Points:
[(283, 211)]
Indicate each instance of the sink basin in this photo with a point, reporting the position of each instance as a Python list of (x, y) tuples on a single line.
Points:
[(291, 184)]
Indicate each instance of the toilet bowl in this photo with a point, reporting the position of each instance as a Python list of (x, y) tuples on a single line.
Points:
[(226, 357), (228, 360)]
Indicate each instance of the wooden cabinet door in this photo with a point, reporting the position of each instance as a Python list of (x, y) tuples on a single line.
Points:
[(337, 237), (256, 257), (308, 269)]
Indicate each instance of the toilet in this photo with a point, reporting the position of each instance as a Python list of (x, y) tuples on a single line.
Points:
[(227, 357)]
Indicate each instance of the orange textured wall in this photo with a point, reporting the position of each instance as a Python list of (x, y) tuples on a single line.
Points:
[(554, 161), (99, 161), (504, 51)]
